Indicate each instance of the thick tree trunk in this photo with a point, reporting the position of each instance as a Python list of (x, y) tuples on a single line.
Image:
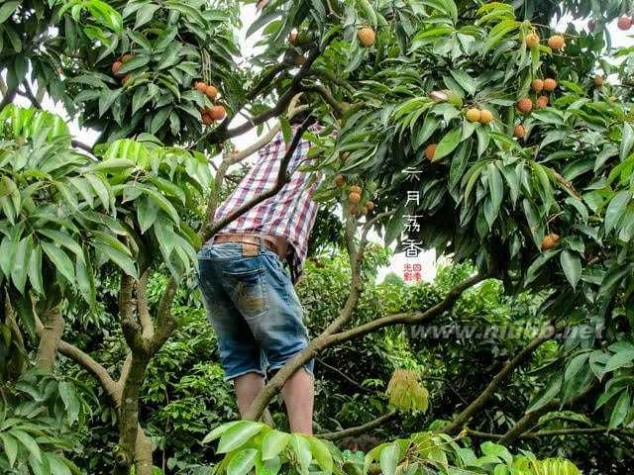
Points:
[(143, 463), (50, 338), (129, 451)]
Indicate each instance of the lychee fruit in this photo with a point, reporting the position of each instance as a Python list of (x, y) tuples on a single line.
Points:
[(532, 40), (537, 85), (519, 131), (473, 115), (550, 85), (217, 112), (624, 23), (366, 36), (556, 42), (430, 151), (550, 241), (211, 91), (542, 101), (486, 116), (525, 106)]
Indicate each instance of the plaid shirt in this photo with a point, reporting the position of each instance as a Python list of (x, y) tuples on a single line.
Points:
[(289, 214)]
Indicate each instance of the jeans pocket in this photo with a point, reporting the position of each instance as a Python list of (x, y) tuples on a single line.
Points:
[(247, 290)]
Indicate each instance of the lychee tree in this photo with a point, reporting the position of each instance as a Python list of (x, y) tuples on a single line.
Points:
[(537, 193), (524, 159)]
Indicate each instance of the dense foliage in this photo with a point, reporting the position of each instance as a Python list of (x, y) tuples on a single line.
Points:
[(522, 142)]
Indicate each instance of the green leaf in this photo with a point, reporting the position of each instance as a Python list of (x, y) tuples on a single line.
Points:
[(238, 435), (496, 450), (60, 261), (467, 83), (242, 462), (575, 365), (621, 408), (70, 400), (268, 467), (484, 137), (20, 263), (57, 465), (123, 261), (10, 447), (218, 431), (496, 187), (28, 442), (147, 212), (62, 239), (159, 119), (448, 143), (389, 459), (7, 250), (274, 443), (169, 58), (627, 142), (113, 165), (85, 280), (615, 209), (35, 270), (145, 14), (162, 203), (101, 190), (619, 360), (7, 10), (321, 454), (301, 447), (571, 265), (135, 63), (549, 394), (107, 98)]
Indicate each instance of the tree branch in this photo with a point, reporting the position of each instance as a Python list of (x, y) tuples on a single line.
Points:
[(147, 325), (28, 93), (327, 96), (265, 139), (130, 326), (530, 418), (8, 98), (555, 433), (82, 145), (479, 402), (265, 81), (222, 132), (329, 337), (50, 336), (407, 318), (352, 431)]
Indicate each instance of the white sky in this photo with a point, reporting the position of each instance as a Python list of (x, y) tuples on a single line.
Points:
[(248, 14)]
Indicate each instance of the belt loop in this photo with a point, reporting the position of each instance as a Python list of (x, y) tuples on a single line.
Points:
[(261, 244)]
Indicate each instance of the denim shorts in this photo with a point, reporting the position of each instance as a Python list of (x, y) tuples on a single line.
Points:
[(252, 306)]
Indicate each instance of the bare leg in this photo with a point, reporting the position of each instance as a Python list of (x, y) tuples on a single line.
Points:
[(299, 393), (247, 388)]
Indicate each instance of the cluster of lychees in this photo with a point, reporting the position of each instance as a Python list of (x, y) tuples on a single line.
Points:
[(116, 67), (210, 114)]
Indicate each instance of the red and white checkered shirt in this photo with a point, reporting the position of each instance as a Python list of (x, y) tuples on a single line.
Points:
[(290, 213)]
